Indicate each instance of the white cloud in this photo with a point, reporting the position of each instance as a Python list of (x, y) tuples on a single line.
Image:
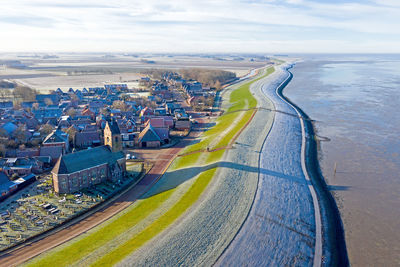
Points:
[(123, 25)]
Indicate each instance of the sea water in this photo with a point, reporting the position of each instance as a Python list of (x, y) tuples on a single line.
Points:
[(355, 102)]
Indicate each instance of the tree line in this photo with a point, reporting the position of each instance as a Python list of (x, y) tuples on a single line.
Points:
[(212, 78)]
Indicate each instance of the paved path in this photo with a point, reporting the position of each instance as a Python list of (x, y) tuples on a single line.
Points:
[(200, 236), (30, 250), (283, 228)]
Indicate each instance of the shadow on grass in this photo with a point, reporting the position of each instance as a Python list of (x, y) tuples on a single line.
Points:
[(173, 179)]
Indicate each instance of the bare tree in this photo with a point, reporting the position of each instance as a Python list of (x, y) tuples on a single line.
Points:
[(35, 106), (3, 150), (71, 112), (24, 93), (46, 129), (71, 131), (20, 135), (121, 105), (48, 101), (3, 133)]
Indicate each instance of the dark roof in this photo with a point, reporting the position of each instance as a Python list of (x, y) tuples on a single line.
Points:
[(52, 151), (82, 137), (163, 133), (85, 159), (114, 127), (3, 178), (56, 136), (148, 134), (5, 184), (8, 104)]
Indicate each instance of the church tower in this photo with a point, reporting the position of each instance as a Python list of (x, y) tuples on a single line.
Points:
[(112, 136)]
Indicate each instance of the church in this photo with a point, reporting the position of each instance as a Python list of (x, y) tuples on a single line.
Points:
[(79, 170)]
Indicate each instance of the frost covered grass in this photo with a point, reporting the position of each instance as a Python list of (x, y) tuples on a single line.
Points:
[(207, 228), (196, 189), (96, 239), (239, 99), (221, 134), (160, 224)]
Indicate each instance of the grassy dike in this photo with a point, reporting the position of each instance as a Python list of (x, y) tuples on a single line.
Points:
[(75, 250)]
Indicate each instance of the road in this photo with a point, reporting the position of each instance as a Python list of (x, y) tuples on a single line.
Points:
[(161, 159), (200, 236)]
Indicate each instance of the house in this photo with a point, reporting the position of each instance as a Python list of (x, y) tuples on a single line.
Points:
[(76, 171), (28, 152), (9, 127), (53, 99), (88, 112), (87, 139), (48, 114), (54, 152), (160, 111), (160, 122), (6, 105), (6, 186), (149, 138), (25, 181), (192, 86), (64, 122), (21, 165), (153, 136), (129, 139), (57, 139), (126, 125), (18, 169), (146, 112), (116, 86), (96, 105), (183, 123)]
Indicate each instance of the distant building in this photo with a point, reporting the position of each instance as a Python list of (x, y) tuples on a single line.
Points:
[(192, 86), (87, 139), (116, 86), (8, 105), (76, 171), (149, 138), (9, 127), (57, 139), (112, 136), (183, 124), (50, 98), (153, 137), (6, 186)]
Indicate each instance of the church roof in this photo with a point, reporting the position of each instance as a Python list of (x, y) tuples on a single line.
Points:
[(85, 159), (114, 127)]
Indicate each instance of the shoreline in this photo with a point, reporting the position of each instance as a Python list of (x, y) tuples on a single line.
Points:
[(212, 234), (332, 225), (293, 218)]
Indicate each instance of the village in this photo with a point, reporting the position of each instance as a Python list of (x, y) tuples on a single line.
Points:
[(65, 152)]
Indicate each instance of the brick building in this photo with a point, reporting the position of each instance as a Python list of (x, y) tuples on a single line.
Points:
[(82, 169), (112, 136)]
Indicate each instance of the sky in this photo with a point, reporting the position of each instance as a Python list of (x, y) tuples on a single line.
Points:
[(220, 26)]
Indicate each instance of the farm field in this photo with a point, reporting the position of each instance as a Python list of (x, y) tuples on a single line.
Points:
[(93, 70), (175, 193)]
